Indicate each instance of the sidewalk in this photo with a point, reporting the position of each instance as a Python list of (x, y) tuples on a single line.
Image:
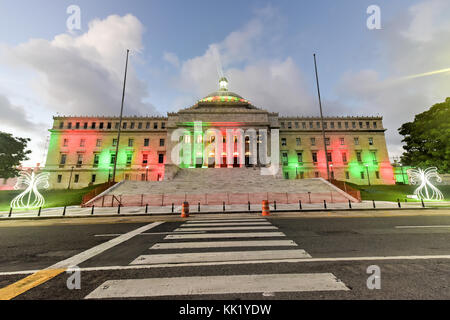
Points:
[(77, 211)]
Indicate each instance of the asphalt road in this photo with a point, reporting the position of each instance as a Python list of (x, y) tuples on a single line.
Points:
[(330, 257)]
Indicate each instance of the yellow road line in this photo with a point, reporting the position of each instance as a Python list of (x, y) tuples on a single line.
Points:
[(21, 286)]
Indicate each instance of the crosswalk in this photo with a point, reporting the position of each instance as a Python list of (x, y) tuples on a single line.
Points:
[(211, 242)]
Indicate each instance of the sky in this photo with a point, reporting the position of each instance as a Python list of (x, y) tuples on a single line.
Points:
[(179, 49)]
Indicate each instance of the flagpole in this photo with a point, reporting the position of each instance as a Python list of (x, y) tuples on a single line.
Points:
[(321, 118), (120, 121)]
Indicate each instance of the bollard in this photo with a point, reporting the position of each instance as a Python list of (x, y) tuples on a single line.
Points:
[(10, 212), (349, 204), (265, 208), (373, 201), (324, 204), (224, 206), (39, 213), (146, 208), (64, 211), (300, 204), (185, 210), (423, 204), (173, 207), (398, 202), (249, 206), (199, 207), (275, 205), (92, 212), (118, 209), (309, 195)]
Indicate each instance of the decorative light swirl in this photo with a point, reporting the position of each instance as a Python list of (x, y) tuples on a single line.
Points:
[(426, 189), (30, 197)]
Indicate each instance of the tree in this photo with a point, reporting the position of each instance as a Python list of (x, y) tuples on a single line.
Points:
[(12, 153), (427, 138)]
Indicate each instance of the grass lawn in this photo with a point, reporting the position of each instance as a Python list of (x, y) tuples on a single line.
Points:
[(53, 198), (393, 192)]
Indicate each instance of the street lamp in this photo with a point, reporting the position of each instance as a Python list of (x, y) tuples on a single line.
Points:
[(367, 169), (70, 178), (146, 173), (332, 172), (403, 176), (109, 174)]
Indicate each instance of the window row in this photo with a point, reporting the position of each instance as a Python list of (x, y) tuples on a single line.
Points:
[(298, 141), (330, 125), (109, 125), (112, 159), (372, 157), (301, 175), (98, 142)]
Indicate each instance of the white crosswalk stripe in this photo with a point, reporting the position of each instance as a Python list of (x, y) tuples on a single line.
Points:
[(204, 248)]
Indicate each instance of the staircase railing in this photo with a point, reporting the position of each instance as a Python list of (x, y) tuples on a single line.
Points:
[(346, 188)]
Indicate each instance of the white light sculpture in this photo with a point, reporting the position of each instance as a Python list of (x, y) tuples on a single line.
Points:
[(30, 197), (426, 189)]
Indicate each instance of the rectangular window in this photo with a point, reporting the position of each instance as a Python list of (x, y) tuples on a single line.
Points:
[(286, 175), (113, 159), (356, 141), (304, 125), (375, 124), (354, 125), (161, 142), (109, 125), (282, 125), (66, 142), (140, 125), (329, 157), (299, 157), (377, 174), (146, 142), (144, 159), (61, 125), (82, 142), (116, 125), (360, 125), (147, 125), (63, 159), (93, 125), (374, 157), (327, 141), (101, 125), (313, 141), (85, 125), (370, 141), (130, 142), (163, 125), (298, 141), (296, 125), (132, 125), (77, 125), (143, 177), (346, 125), (342, 140), (367, 124), (362, 175), (325, 125), (344, 157), (99, 143), (129, 159), (79, 160), (284, 158), (347, 175), (332, 125), (93, 178), (114, 142), (124, 125), (314, 156), (155, 125), (96, 160), (69, 125), (160, 158), (77, 178), (59, 178), (318, 125), (283, 141), (339, 125), (289, 125), (358, 156), (311, 125)]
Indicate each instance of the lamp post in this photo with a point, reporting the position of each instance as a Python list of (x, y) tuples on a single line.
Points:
[(109, 174), (403, 175), (367, 169), (146, 173), (70, 178), (332, 172)]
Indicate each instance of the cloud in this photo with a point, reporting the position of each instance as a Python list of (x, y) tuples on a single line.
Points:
[(172, 58), (15, 117), (83, 74), (243, 57), (418, 41)]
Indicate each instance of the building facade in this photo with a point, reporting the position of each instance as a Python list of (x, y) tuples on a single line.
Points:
[(82, 150)]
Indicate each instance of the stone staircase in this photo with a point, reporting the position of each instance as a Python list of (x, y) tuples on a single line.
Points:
[(224, 180)]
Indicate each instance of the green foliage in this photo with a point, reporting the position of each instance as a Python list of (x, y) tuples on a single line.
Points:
[(427, 138), (12, 153)]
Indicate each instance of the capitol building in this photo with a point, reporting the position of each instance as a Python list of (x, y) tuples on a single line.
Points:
[(82, 150)]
